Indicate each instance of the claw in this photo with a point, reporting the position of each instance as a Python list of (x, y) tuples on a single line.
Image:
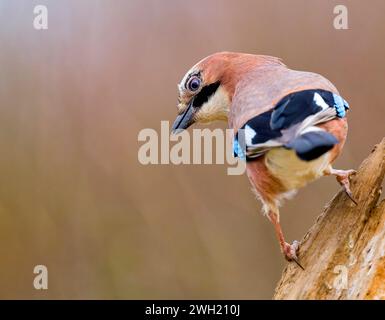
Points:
[(297, 262), (290, 252), (350, 195), (343, 179)]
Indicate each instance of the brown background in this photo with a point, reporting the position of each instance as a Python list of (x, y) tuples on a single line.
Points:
[(72, 101)]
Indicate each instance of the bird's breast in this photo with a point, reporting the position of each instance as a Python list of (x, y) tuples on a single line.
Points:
[(293, 172)]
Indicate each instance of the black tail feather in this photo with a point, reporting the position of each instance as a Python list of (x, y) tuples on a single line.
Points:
[(313, 144)]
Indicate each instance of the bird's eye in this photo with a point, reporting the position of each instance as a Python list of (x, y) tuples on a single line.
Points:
[(194, 83)]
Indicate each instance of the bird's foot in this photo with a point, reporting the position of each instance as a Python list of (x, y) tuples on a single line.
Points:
[(290, 252), (343, 177)]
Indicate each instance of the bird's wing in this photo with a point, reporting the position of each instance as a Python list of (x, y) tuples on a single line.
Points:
[(294, 115)]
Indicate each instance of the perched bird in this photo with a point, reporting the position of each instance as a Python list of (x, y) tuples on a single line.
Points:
[(289, 126)]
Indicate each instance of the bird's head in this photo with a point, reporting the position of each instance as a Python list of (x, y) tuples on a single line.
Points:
[(207, 89), (205, 92)]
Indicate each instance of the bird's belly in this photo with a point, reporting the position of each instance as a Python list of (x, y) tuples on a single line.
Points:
[(293, 172)]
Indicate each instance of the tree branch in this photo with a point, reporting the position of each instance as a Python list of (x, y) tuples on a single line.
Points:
[(344, 252)]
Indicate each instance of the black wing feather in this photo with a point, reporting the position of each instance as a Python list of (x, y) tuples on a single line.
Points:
[(268, 127), (293, 109)]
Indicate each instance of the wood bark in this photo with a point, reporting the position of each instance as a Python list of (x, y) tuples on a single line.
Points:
[(344, 252)]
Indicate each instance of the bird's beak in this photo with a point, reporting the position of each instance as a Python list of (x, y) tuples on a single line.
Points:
[(184, 120)]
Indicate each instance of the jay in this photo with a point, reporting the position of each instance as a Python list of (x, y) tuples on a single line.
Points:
[(289, 126)]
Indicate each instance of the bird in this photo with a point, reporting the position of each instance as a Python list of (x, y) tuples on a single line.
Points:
[(288, 126)]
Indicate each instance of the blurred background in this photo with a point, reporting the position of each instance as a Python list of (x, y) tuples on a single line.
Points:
[(73, 99)]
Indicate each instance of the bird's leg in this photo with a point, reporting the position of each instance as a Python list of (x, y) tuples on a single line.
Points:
[(342, 177), (288, 250)]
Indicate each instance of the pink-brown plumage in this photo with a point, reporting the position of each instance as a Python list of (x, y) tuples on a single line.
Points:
[(245, 86)]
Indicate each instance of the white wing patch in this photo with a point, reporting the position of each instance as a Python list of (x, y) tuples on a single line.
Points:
[(249, 135), (319, 101)]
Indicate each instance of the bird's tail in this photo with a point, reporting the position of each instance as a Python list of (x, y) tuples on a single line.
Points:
[(312, 144)]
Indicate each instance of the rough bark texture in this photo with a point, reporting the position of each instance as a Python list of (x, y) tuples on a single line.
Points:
[(344, 252)]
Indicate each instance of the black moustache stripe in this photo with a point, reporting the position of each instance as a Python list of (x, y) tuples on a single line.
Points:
[(204, 95)]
